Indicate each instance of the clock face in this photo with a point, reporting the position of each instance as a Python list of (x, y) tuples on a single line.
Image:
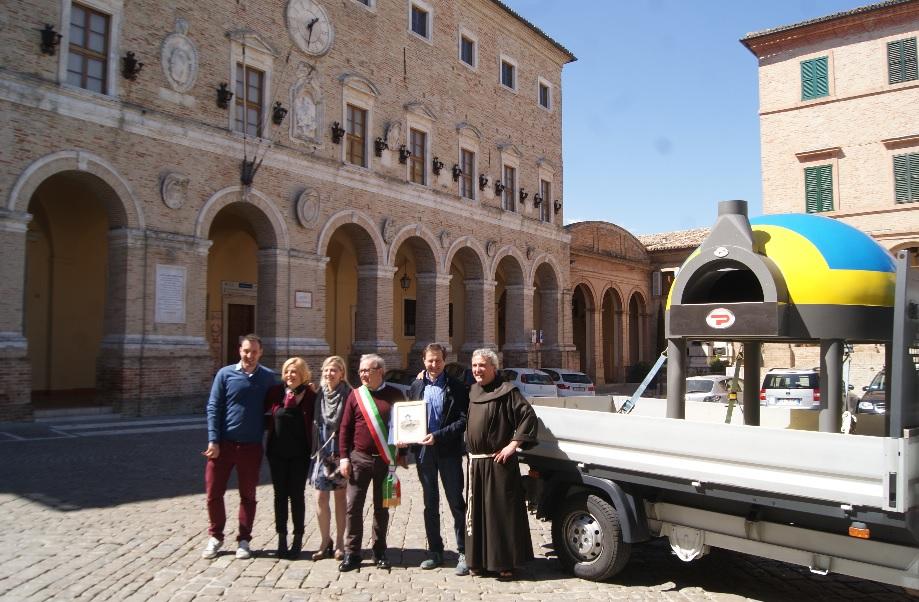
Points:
[(309, 26)]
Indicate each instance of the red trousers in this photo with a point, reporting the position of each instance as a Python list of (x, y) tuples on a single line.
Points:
[(247, 458)]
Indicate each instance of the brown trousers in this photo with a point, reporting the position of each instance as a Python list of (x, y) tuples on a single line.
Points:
[(366, 471)]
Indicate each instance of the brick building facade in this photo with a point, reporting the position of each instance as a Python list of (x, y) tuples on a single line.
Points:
[(370, 186), (839, 129)]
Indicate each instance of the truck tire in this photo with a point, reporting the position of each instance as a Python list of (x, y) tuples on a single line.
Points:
[(588, 539)]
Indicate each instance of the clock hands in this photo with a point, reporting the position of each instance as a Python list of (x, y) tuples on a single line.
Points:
[(309, 26)]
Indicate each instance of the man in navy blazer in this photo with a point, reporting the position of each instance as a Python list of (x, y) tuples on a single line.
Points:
[(441, 452)]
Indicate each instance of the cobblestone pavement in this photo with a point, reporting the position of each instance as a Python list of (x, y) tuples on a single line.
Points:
[(115, 511)]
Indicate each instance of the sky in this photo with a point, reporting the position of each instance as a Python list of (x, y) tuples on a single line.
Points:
[(660, 111)]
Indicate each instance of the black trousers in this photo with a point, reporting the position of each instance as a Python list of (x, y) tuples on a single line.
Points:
[(288, 477)]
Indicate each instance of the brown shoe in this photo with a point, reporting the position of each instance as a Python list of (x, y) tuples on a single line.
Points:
[(339, 555), (324, 552)]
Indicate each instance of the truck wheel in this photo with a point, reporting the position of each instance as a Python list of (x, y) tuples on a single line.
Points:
[(588, 539)]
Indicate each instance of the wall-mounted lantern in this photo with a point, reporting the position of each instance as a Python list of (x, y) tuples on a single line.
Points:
[(278, 113), (130, 66), (49, 39), (457, 172), (537, 200), (379, 145), (337, 132), (224, 96), (404, 153), (557, 206), (523, 196), (436, 166), (483, 181), (499, 188)]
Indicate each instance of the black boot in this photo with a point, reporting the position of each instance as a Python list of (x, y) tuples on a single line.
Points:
[(296, 546), (282, 545)]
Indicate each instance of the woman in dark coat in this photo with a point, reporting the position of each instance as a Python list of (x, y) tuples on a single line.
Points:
[(500, 421), (290, 418)]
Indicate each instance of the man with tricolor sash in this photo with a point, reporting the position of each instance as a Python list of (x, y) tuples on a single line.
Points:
[(368, 457)]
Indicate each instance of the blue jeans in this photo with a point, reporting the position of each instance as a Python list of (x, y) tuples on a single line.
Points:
[(451, 475)]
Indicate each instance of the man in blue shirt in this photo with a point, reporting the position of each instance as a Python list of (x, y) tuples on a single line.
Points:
[(441, 452), (235, 424)]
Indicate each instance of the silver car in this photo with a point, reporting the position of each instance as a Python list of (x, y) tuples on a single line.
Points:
[(713, 388), (791, 388)]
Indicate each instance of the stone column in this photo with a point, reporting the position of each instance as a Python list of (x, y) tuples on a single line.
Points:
[(551, 349), (480, 318), (432, 315), (305, 336), (140, 347), (272, 305), (16, 376), (569, 353), (373, 329), (519, 323)]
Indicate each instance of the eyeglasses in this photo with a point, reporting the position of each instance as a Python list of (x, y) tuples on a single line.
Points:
[(367, 370)]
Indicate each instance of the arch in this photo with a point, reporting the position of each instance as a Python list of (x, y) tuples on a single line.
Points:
[(465, 242), (123, 208), (463, 127), (413, 231), (359, 83), (421, 109), (545, 258), (508, 251), (637, 326), (358, 219), (588, 236), (273, 236), (591, 299)]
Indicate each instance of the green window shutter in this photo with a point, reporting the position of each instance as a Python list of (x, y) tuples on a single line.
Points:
[(906, 178), (815, 78), (818, 188), (901, 61)]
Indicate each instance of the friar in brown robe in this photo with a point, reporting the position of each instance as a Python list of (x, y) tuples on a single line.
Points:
[(500, 421)]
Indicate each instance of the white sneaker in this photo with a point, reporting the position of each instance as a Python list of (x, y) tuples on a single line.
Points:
[(213, 545), (242, 551)]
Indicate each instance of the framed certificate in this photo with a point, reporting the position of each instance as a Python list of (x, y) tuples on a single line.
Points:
[(410, 421)]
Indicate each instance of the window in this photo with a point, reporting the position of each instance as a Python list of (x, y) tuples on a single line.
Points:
[(467, 183), (356, 136), (814, 78), (545, 95), (87, 59), (510, 188), (408, 318), (508, 74), (545, 210), (467, 51), (906, 177), (418, 160), (901, 61), (818, 188), (420, 21), (250, 86)]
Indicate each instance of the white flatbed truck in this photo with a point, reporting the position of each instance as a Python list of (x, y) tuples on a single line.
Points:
[(832, 502)]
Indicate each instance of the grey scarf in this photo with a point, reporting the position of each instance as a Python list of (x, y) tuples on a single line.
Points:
[(332, 405)]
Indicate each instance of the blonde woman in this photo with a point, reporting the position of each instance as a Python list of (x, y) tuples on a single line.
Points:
[(324, 475), (288, 450)]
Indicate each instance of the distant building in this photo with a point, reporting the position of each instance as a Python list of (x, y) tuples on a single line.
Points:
[(839, 119), (342, 177)]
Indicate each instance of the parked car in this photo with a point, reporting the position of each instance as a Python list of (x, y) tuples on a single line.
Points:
[(570, 383), (711, 388), (874, 401), (531, 382), (400, 378), (791, 388)]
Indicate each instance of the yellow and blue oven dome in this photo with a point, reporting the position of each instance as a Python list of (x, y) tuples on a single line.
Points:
[(792, 277)]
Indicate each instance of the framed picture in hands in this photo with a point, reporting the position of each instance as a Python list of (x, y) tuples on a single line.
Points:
[(410, 421)]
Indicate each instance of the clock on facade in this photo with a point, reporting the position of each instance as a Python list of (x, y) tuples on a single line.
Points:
[(309, 26)]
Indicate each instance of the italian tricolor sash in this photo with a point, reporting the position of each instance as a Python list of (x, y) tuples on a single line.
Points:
[(380, 434)]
